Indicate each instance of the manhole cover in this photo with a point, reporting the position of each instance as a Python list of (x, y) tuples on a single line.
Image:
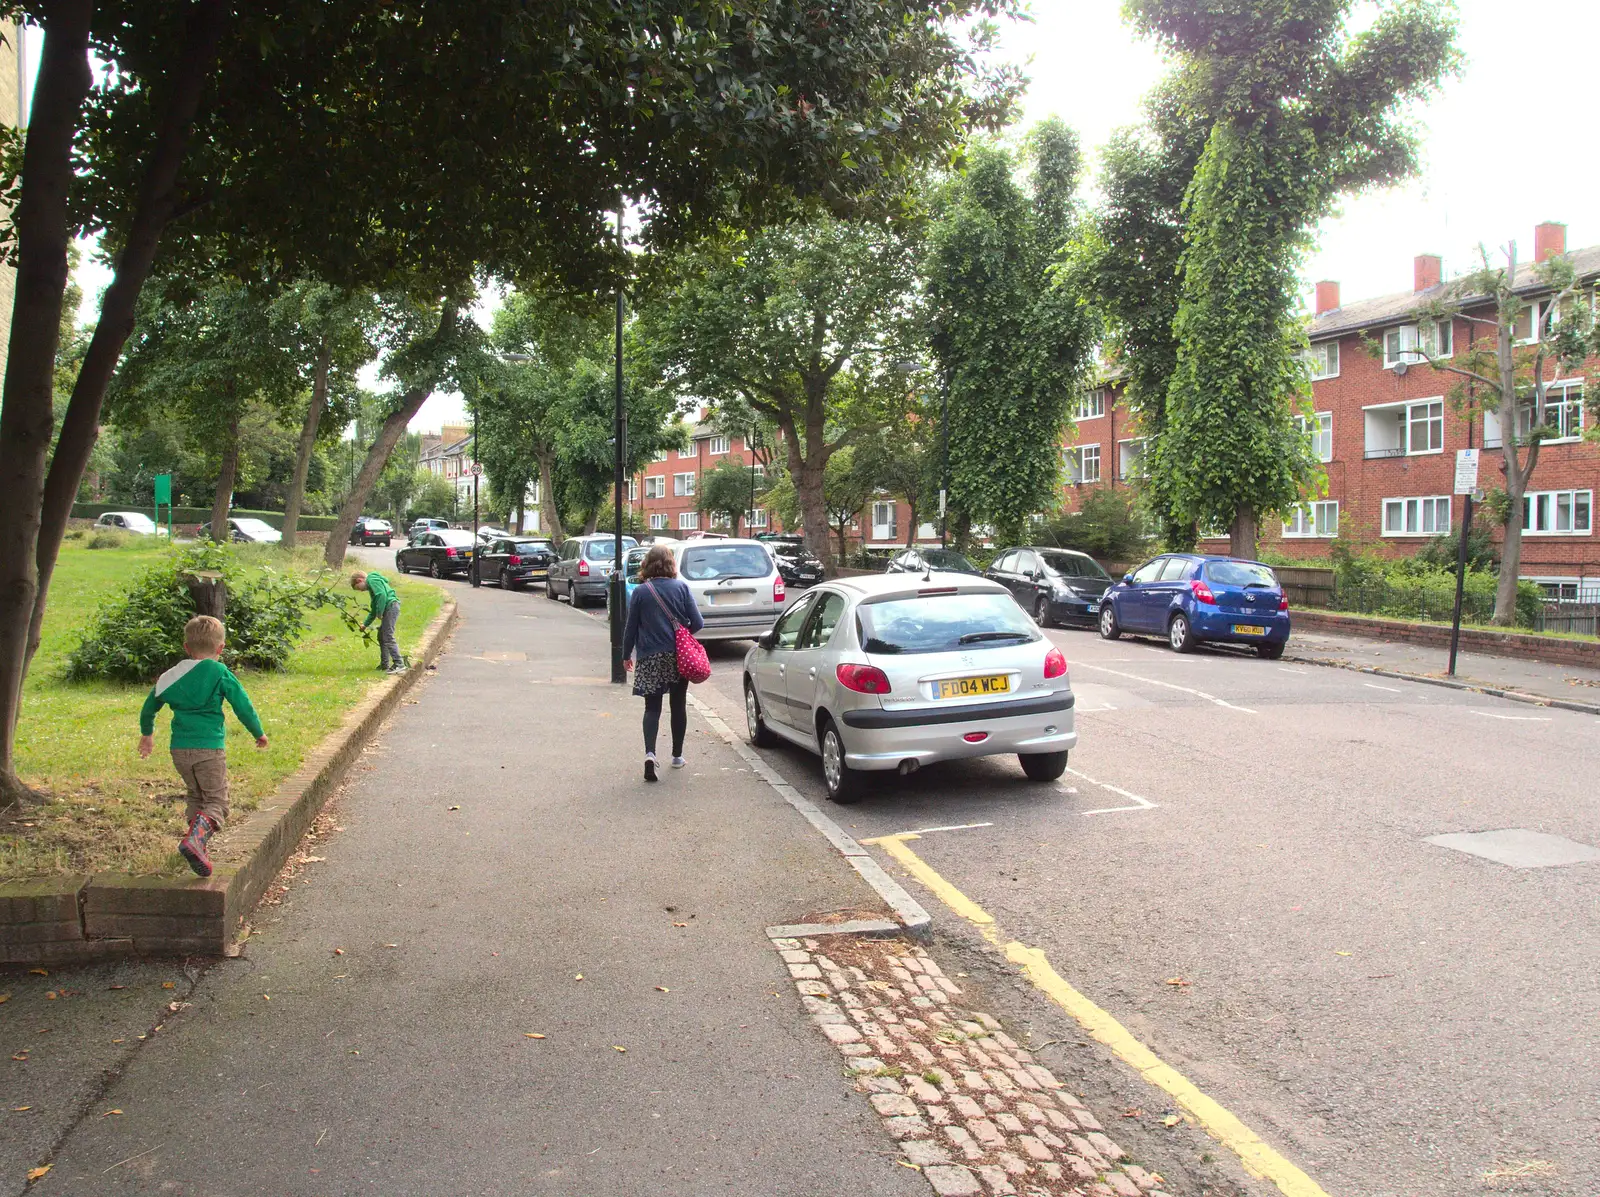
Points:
[(1518, 847)]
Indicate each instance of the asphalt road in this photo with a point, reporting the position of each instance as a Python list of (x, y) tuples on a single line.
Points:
[(1394, 1016)]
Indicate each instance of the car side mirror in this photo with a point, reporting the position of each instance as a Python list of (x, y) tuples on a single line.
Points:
[(767, 639), (1128, 578)]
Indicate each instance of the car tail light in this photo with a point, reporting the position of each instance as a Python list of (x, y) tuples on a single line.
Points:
[(1283, 602), (777, 589), (513, 560), (863, 679), (449, 552), (583, 569), (1202, 592), (1055, 663), (975, 737)]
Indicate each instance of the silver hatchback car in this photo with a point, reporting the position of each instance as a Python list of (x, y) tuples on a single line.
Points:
[(735, 582), (896, 671)]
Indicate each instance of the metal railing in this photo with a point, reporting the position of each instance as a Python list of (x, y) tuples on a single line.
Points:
[(1372, 453)]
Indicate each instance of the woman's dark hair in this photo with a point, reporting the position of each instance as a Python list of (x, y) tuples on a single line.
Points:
[(658, 563)]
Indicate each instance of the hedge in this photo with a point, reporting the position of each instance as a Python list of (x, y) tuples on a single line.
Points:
[(202, 515)]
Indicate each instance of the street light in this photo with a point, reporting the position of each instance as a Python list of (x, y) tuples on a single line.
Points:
[(617, 592)]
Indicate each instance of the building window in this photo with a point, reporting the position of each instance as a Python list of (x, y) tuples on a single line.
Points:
[(757, 518), (759, 470), (1319, 428), (1525, 329), (1130, 463), (1313, 519), (1414, 343), (883, 521), (655, 486), (1322, 360), (1083, 463), (721, 519), (658, 520), (1214, 531), (1428, 516), (683, 484), (533, 492), (688, 521), (1091, 405), (633, 490), (718, 446), (1557, 512), (1425, 427), (1563, 412)]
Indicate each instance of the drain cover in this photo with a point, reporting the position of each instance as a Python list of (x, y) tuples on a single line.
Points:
[(1518, 847)]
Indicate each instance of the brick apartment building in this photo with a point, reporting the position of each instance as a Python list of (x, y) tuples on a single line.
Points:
[(665, 492)]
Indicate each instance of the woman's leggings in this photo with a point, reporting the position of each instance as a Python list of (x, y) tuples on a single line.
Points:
[(680, 717)]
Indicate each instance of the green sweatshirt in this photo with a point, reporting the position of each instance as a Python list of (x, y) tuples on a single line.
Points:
[(382, 595), (195, 690)]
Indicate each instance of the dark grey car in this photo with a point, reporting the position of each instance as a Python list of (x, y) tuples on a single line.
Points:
[(583, 570)]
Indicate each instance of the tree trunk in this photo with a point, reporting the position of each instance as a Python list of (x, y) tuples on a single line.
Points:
[(808, 474), (222, 500), (1244, 533), (842, 529), (1517, 474), (26, 414), (307, 445), (911, 524), (209, 593), (591, 522), (382, 446), (547, 500)]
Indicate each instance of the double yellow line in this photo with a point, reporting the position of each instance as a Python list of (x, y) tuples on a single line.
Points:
[(1258, 1158)]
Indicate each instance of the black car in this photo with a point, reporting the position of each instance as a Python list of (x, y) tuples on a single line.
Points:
[(917, 561), (797, 566), (1053, 585), (372, 531), (514, 561), (440, 553)]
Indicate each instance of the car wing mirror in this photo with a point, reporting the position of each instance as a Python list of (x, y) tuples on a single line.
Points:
[(1128, 578), (767, 639)]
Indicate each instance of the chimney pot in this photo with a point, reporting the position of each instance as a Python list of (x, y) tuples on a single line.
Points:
[(1549, 240), (1428, 272), (1327, 296)]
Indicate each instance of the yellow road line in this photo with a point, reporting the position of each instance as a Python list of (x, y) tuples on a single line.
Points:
[(1257, 1157)]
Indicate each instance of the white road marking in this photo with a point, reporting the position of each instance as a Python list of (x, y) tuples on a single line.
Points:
[(1138, 802), (1375, 686), (1518, 718), (1169, 686), (954, 827), (1286, 669)]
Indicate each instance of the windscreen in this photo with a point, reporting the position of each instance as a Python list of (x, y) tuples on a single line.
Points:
[(948, 559), (531, 546), (1070, 565), (1241, 573), (943, 623), (709, 563), (250, 525), (135, 520), (455, 538)]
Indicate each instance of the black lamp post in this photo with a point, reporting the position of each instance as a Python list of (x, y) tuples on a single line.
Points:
[(477, 577), (753, 445), (944, 476), (618, 589)]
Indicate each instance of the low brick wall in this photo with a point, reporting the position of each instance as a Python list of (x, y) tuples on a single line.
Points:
[(112, 914), (1518, 645)]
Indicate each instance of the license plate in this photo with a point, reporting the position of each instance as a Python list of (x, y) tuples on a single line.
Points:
[(1248, 629), (1094, 608), (729, 598), (966, 687)]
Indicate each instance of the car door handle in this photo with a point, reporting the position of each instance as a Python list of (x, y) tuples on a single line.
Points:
[(781, 669), (812, 674)]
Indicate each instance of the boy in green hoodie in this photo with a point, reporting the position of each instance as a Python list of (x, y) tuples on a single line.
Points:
[(385, 607), (195, 690)]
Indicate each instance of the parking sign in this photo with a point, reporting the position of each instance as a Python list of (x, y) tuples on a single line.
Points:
[(1466, 471)]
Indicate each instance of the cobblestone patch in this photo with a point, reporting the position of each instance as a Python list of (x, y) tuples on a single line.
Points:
[(968, 1107)]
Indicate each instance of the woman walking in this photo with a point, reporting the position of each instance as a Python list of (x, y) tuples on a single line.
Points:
[(659, 605)]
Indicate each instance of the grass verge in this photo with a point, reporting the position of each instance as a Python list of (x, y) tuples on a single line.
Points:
[(107, 810)]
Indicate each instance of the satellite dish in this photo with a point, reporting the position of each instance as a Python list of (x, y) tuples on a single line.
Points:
[(1401, 368)]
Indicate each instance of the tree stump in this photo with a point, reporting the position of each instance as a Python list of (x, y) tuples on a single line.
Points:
[(208, 591)]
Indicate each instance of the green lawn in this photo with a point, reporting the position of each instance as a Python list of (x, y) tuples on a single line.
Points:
[(107, 809)]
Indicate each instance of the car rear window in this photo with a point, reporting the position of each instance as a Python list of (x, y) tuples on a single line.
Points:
[(455, 538), (1241, 573), (531, 546), (708, 563), (943, 623), (605, 550)]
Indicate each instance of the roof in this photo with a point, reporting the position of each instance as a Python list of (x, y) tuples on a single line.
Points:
[(1387, 309), (446, 450), (878, 585)]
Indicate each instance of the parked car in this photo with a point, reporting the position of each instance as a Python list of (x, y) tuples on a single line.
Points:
[(798, 565), (583, 570), (487, 533), (514, 561), (921, 561), (425, 524), (246, 530), (736, 584), (1053, 585), (1191, 598), (136, 522), (632, 562), (889, 672), (440, 552), (372, 531)]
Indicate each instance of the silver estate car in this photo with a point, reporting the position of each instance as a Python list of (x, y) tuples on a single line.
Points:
[(896, 671), (735, 582)]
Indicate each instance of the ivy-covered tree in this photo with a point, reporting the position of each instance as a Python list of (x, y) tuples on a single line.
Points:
[(1301, 110), (1012, 340)]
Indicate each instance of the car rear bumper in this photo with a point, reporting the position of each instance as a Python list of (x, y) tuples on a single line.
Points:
[(879, 739), (1219, 625), (1075, 610), (741, 626)]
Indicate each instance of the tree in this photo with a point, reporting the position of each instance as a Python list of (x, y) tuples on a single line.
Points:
[(899, 462), (1300, 111), (1509, 376), (729, 489), (807, 325), (846, 489), (386, 123), (1011, 341)]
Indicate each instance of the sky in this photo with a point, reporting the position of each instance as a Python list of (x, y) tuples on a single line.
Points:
[(1505, 142)]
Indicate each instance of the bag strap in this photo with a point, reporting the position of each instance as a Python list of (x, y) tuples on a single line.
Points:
[(651, 587)]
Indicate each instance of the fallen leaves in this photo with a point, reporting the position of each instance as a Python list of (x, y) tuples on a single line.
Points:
[(662, 989), (168, 985), (4, 997), (1133, 1112), (680, 924), (110, 1113), (22, 1055), (51, 995), (1341, 952), (578, 977), (618, 1048), (38, 1173), (1519, 1170), (452, 808), (40, 972), (533, 1035), (1171, 1120), (338, 951), (20, 1109), (1178, 982)]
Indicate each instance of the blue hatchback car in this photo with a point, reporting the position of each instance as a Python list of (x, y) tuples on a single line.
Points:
[(1191, 597)]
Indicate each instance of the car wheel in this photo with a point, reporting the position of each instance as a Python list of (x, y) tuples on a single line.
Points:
[(1180, 635), (433, 569), (755, 726), (386, 543), (505, 579), (843, 782), (1041, 610), (1043, 766), (1109, 630), (550, 591), (1270, 652)]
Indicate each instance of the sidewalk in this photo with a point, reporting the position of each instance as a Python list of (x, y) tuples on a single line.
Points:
[(498, 871), (1562, 683)]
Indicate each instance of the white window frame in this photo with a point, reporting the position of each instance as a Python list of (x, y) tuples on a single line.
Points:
[(1091, 405), (633, 490), (1419, 516), (683, 485), (658, 521), (1311, 521), (688, 521), (1123, 448), (892, 523), (757, 518), (1413, 348), (1321, 435), (1077, 461), (1322, 359), (718, 446), (1566, 386), (759, 470), (655, 486), (1535, 310), (1554, 588), (1545, 506)]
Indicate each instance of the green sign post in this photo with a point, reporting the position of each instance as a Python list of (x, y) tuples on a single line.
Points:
[(163, 496)]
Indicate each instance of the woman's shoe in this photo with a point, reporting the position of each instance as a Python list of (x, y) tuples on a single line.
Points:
[(677, 762), (650, 766)]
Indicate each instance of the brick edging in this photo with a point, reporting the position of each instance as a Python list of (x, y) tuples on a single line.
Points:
[(117, 914), (1517, 645)]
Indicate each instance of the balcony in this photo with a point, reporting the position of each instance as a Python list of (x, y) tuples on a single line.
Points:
[(1371, 453)]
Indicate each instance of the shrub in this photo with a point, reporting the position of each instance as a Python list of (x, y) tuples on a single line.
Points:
[(1107, 527), (134, 636), (1409, 589), (1441, 551), (105, 539)]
